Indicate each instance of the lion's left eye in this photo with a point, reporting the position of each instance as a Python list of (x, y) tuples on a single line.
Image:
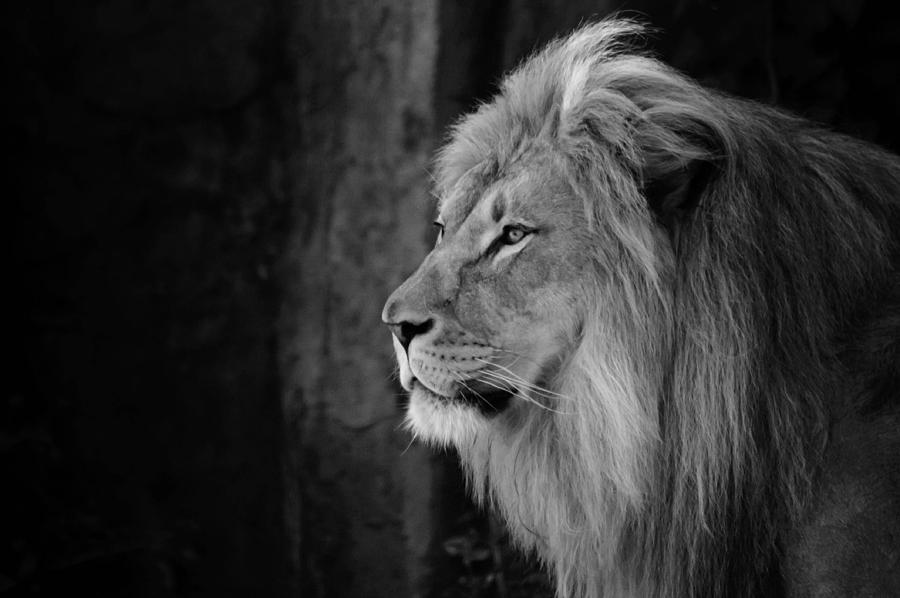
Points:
[(513, 234)]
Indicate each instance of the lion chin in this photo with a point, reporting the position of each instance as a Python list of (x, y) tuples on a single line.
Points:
[(442, 421), (661, 327)]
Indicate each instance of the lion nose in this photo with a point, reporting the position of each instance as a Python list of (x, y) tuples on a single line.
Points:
[(406, 311), (406, 331)]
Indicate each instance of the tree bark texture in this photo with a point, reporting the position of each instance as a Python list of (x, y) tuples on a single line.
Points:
[(359, 496)]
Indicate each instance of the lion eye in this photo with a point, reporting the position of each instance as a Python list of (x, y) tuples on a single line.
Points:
[(513, 234), (440, 226)]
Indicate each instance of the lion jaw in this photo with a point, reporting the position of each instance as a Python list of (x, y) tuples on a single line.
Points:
[(458, 385)]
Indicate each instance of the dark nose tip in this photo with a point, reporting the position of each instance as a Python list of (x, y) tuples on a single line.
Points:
[(406, 331)]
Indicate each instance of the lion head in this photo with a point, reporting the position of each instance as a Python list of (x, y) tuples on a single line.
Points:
[(610, 329), (488, 321), (524, 266)]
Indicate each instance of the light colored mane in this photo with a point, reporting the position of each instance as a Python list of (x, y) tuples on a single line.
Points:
[(699, 382)]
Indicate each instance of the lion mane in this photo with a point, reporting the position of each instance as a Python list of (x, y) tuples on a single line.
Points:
[(750, 253)]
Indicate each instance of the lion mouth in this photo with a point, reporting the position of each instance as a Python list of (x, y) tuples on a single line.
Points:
[(487, 398)]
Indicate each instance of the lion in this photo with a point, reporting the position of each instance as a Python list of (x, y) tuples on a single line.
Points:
[(661, 327)]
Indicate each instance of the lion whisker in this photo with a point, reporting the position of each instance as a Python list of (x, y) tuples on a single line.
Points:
[(503, 388), (411, 441), (519, 382), (472, 390), (524, 394), (516, 378), (524, 397), (516, 354)]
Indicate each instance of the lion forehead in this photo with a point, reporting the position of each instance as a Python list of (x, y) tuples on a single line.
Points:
[(533, 189)]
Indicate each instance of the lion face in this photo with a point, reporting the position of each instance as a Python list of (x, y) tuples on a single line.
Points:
[(484, 324)]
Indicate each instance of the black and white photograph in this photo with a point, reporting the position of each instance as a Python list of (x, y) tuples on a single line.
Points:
[(451, 299)]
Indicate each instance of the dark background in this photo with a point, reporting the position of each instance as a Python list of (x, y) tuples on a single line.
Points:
[(207, 203)]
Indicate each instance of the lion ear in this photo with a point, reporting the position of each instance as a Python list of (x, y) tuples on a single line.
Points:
[(680, 154)]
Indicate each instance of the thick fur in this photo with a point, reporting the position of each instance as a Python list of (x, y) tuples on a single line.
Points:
[(737, 252)]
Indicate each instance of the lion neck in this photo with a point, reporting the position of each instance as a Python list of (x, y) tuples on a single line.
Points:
[(572, 484)]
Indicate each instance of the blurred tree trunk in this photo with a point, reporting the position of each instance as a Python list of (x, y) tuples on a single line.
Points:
[(358, 498)]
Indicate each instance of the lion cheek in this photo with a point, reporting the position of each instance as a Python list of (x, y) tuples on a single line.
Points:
[(479, 312), (498, 313)]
